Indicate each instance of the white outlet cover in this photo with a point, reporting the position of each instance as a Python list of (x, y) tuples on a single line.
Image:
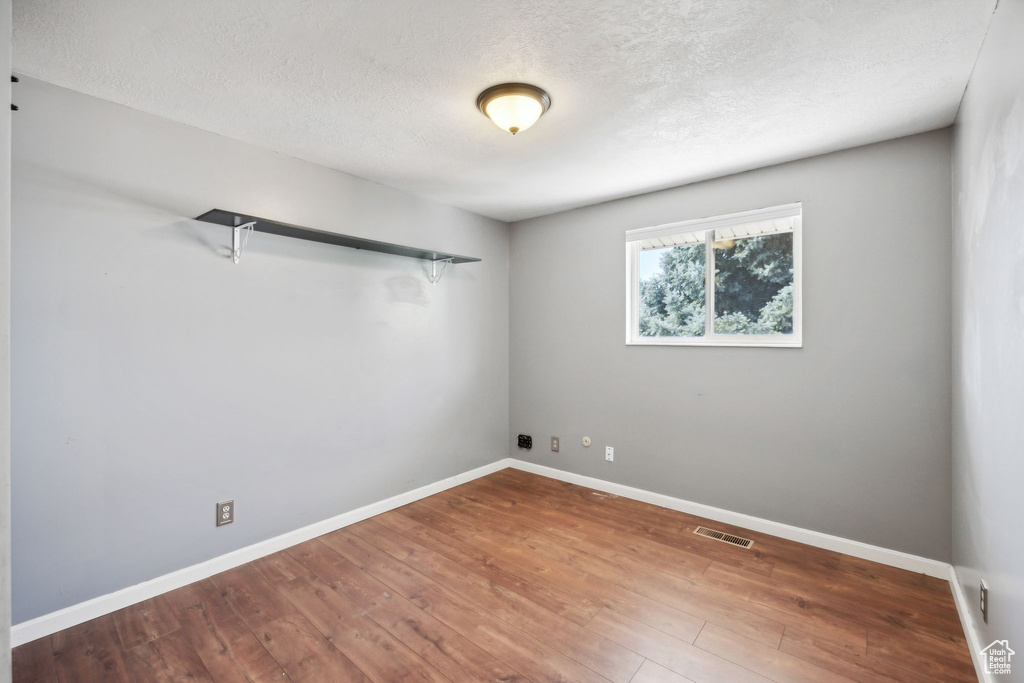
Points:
[(609, 453), (587, 441)]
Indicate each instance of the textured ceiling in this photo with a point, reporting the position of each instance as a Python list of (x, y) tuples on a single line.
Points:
[(646, 93)]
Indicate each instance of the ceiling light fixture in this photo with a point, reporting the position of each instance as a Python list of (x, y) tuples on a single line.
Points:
[(513, 106)]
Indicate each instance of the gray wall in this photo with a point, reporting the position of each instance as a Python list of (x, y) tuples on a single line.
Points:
[(153, 378), (5, 330), (848, 435), (988, 332)]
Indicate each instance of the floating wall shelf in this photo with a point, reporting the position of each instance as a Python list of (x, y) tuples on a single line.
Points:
[(240, 222)]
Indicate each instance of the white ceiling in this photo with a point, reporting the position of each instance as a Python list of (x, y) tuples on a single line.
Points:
[(646, 93)]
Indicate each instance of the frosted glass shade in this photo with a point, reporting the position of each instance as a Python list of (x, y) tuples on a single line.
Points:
[(514, 113)]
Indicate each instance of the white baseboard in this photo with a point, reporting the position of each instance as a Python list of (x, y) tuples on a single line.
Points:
[(893, 558), (39, 627), (963, 608), (90, 609)]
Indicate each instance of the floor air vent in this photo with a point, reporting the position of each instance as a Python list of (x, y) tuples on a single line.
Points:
[(723, 537)]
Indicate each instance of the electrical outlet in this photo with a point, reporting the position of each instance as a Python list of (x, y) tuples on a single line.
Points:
[(609, 454), (225, 512), (554, 444), (984, 602)]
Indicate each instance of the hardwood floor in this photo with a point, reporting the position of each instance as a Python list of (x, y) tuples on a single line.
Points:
[(515, 577)]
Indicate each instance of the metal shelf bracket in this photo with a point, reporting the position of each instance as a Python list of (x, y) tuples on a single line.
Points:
[(435, 275), (237, 242)]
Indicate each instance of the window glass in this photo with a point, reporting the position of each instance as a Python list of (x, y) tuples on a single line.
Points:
[(671, 296), (754, 284)]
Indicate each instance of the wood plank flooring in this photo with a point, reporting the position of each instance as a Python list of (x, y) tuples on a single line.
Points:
[(516, 577)]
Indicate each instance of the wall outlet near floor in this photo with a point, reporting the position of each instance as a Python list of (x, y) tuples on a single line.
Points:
[(984, 602), (225, 512), (609, 454), (554, 444)]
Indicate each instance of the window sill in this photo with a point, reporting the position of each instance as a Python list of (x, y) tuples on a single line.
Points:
[(752, 343)]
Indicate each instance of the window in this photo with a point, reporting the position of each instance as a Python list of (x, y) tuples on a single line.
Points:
[(725, 281)]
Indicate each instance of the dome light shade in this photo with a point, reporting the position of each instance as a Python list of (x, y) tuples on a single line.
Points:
[(513, 106)]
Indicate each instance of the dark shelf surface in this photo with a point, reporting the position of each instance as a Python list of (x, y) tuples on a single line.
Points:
[(233, 218)]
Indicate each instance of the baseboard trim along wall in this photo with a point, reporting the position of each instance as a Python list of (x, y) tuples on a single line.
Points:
[(893, 558), (39, 627), (963, 608), (76, 614)]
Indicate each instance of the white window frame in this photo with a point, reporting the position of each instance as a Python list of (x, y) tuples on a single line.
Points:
[(711, 338)]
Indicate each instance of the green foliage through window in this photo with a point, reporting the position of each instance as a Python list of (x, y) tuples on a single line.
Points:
[(753, 289)]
